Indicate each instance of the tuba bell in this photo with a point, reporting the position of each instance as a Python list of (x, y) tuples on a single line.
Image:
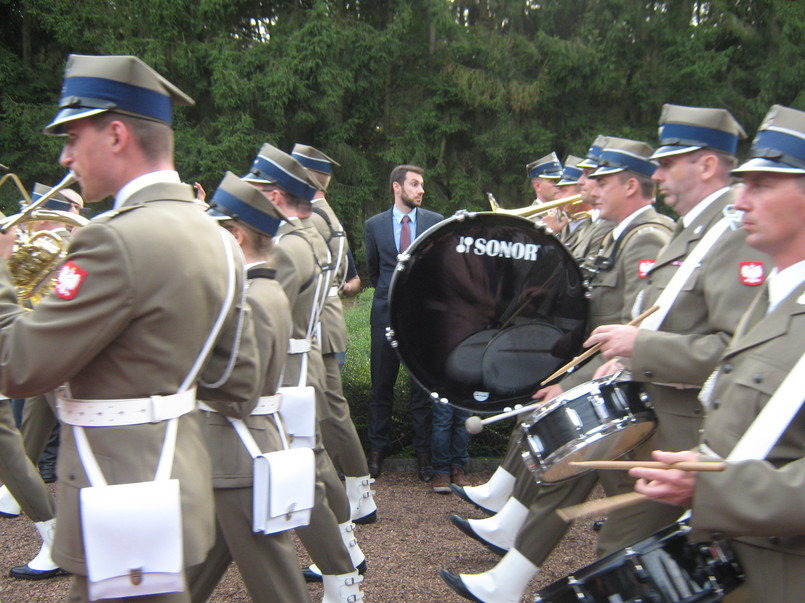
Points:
[(38, 255)]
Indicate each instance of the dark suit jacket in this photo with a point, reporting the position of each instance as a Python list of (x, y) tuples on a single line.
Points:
[(381, 256)]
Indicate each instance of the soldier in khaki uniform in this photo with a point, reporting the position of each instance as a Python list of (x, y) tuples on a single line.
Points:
[(491, 496), (120, 307), (340, 437), (330, 537), (527, 529), (674, 359), (267, 562), (544, 174), (758, 500)]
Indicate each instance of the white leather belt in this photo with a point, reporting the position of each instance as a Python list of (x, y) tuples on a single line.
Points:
[(298, 346), (333, 292), (130, 411), (266, 405)]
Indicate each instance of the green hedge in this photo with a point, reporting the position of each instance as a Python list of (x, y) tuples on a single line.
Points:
[(491, 442)]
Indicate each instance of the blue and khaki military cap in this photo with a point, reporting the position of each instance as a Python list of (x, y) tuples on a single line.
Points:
[(237, 200), (545, 167), (622, 154), (571, 172), (272, 166), (313, 159), (57, 202), (686, 129), (779, 145), (594, 152), (120, 84)]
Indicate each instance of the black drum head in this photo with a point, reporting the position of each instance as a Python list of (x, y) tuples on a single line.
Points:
[(485, 306)]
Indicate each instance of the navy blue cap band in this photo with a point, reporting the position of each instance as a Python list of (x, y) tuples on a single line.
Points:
[(779, 146), (594, 153), (553, 170), (611, 158), (230, 205), (311, 163), (102, 93), (571, 173), (697, 136), (289, 182)]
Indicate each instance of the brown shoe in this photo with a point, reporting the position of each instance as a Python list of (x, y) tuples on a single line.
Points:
[(459, 478), (441, 483)]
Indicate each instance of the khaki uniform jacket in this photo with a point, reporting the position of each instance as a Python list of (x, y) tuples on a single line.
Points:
[(333, 326), (296, 273), (588, 241), (675, 360), (696, 330), (761, 503), (232, 465), (613, 292), (155, 283)]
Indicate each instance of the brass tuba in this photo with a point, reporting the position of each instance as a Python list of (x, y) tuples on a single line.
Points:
[(38, 255)]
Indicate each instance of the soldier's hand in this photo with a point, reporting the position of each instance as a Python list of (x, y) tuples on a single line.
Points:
[(615, 340), (548, 393), (7, 242), (669, 486)]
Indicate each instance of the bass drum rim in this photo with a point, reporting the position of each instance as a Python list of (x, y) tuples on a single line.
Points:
[(442, 280)]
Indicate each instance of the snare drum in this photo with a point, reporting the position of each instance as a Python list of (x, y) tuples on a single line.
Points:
[(484, 306), (663, 568), (600, 419)]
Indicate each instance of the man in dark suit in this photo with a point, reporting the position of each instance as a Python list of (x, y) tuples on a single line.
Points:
[(387, 234)]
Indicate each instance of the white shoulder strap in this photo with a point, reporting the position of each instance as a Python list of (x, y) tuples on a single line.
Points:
[(689, 264)]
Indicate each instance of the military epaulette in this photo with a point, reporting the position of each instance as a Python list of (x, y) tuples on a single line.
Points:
[(269, 273), (113, 213)]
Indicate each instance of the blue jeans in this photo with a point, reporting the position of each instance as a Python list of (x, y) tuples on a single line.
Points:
[(450, 438)]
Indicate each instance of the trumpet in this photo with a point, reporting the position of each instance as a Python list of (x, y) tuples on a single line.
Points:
[(37, 256), (530, 211)]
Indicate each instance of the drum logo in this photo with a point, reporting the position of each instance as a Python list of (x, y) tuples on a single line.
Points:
[(495, 248)]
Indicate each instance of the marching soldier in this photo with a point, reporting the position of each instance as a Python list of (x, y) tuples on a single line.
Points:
[(338, 431), (330, 537), (527, 529), (544, 173), (267, 562), (675, 349), (120, 307), (753, 419), (491, 496)]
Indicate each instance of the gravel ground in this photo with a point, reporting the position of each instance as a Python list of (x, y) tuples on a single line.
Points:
[(412, 540)]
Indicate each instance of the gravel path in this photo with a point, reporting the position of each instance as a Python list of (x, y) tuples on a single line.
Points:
[(412, 540)]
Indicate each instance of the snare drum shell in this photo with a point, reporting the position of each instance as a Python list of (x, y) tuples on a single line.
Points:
[(484, 306)]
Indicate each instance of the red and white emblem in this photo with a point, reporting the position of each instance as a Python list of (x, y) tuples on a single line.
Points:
[(644, 267), (752, 273), (69, 280)]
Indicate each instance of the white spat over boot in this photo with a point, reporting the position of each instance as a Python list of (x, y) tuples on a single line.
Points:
[(492, 495), (499, 531), (344, 588), (362, 505), (41, 566), (504, 583), (9, 507)]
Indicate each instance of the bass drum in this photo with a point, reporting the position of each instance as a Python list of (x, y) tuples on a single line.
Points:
[(483, 307), (663, 568)]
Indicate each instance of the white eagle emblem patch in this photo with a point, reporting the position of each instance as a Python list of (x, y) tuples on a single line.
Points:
[(752, 273), (69, 280)]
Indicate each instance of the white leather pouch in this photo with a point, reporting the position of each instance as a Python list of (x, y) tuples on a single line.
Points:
[(284, 482), (298, 412), (133, 539)]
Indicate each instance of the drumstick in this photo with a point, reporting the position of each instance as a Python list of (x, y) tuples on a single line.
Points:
[(682, 466), (603, 505), (582, 357), (475, 424)]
